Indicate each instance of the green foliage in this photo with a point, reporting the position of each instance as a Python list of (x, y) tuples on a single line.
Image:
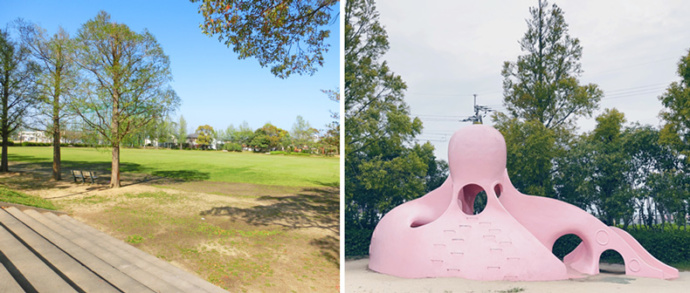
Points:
[(55, 84), (357, 241), (544, 98), (126, 84), (181, 132), (11, 196), (232, 147), (531, 147), (17, 88), (287, 36), (542, 85), (302, 133), (676, 113), (269, 137), (384, 166), (205, 135)]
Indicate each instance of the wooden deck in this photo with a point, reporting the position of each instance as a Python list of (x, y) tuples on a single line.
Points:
[(43, 251)]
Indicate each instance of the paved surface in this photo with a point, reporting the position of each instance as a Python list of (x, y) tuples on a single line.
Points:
[(360, 279), (42, 251)]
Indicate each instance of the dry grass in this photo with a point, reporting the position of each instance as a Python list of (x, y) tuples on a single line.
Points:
[(242, 237)]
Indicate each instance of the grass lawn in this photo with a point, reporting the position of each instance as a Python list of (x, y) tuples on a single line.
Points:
[(189, 165), (11, 196), (243, 221)]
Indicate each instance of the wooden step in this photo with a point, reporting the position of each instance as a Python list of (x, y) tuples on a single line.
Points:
[(30, 272), (70, 270), (140, 274), (99, 239), (7, 282), (106, 271), (167, 268)]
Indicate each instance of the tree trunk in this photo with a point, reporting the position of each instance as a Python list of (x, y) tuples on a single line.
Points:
[(5, 126), (115, 139), (115, 174), (56, 139)]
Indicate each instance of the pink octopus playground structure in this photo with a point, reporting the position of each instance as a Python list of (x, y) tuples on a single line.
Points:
[(438, 235)]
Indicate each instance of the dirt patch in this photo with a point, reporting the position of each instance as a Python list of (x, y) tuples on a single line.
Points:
[(242, 237)]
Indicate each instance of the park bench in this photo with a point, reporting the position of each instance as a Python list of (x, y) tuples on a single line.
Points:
[(83, 175)]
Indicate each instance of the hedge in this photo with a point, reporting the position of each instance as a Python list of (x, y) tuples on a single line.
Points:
[(668, 246)]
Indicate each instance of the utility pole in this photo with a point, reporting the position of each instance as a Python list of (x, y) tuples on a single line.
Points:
[(477, 118)]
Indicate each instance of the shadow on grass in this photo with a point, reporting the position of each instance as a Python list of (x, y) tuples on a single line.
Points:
[(311, 208), (334, 184), (183, 175), (330, 248)]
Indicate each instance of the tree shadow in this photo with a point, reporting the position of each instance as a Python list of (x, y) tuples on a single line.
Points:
[(330, 248), (311, 208), (334, 184), (183, 175)]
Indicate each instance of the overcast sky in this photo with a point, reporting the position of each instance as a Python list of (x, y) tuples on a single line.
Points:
[(446, 51)]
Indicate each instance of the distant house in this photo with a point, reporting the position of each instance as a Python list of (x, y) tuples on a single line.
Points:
[(32, 136), (192, 141)]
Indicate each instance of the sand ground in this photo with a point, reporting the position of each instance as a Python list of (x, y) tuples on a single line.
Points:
[(359, 279)]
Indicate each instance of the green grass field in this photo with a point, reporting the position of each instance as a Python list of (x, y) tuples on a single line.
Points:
[(194, 165)]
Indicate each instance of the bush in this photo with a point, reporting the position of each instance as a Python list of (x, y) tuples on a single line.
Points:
[(357, 242), (27, 143), (277, 153), (232, 147)]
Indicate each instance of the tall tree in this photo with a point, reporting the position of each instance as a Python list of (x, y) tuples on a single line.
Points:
[(181, 131), (17, 83), (287, 35), (542, 87), (384, 166), (676, 113), (57, 80), (302, 132), (245, 133), (126, 82)]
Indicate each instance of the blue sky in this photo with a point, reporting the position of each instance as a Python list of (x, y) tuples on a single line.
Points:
[(215, 87)]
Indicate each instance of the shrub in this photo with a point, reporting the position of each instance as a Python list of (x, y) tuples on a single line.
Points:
[(232, 147), (357, 242)]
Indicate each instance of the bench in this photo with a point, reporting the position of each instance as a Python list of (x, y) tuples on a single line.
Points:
[(78, 174)]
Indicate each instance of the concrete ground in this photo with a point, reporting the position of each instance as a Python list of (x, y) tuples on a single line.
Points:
[(359, 279)]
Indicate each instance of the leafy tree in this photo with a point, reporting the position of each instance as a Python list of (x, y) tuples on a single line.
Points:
[(126, 82), (269, 137), (181, 131), (331, 139), (287, 35), (244, 134), (384, 167), (542, 85), (302, 133), (17, 84), (530, 150), (676, 113), (57, 80), (205, 135), (230, 134)]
